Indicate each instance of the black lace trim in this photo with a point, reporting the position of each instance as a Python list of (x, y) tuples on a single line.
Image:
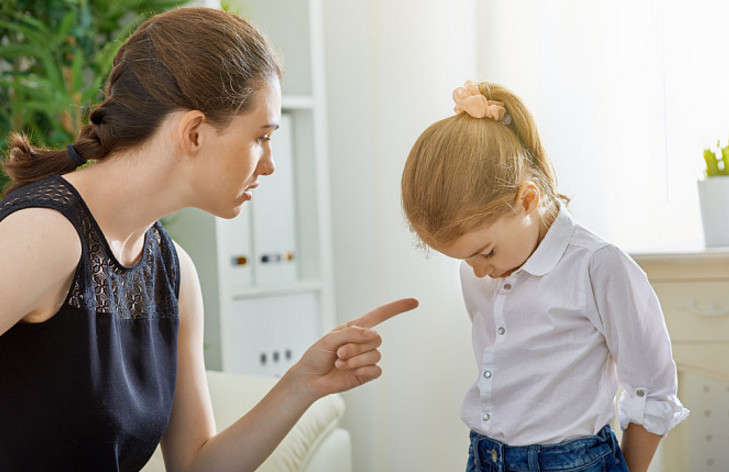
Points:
[(149, 289)]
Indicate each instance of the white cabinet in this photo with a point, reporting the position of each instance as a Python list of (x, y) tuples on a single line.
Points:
[(693, 289), (266, 274)]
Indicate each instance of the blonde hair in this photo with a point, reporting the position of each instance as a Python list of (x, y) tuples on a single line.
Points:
[(464, 171)]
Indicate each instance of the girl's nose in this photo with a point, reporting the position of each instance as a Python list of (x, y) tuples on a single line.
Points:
[(480, 269)]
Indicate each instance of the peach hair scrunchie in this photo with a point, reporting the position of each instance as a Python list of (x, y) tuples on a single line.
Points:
[(469, 99)]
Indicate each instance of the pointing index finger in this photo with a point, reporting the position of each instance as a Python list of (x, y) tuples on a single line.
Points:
[(383, 313)]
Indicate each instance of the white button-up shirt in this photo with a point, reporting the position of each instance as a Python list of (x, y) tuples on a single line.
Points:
[(554, 339)]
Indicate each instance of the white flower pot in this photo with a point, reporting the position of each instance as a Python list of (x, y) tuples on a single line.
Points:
[(714, 201)]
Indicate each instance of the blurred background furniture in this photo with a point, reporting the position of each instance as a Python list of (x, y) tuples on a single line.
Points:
[(315, 444), (693, 288)]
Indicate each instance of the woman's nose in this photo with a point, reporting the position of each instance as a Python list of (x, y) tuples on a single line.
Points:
[(266, 165)]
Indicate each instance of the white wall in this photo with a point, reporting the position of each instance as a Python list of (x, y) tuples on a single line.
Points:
[(390, 70), (626, 95)]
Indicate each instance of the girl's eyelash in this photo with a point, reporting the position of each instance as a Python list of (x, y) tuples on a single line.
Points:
[(490, 254), (263, 139)]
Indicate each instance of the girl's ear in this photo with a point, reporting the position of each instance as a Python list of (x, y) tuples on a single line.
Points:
[(527, 197)]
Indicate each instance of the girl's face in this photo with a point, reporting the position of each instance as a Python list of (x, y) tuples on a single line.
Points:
[(499, 248), (237, 156)]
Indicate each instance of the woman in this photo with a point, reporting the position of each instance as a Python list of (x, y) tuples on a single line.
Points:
[(101, 318)]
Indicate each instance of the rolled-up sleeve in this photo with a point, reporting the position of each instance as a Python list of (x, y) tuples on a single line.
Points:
[(635, 331)]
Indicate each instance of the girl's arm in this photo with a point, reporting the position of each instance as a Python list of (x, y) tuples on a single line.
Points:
[(629, 316), (39, 250), (638, 447), (342, 359)]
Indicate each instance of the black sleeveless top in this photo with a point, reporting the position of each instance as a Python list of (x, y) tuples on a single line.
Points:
[(91, 389)]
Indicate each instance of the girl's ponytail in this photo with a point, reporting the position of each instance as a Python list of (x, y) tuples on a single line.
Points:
[(467, 169), (524, 127)]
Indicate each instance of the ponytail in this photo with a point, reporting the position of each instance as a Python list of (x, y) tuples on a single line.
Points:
[(463, 170), (525, 129)]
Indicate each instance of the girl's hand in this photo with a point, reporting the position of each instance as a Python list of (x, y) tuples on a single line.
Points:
[(347, 356)]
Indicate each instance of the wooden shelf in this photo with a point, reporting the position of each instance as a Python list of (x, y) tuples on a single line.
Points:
[(275, 290)]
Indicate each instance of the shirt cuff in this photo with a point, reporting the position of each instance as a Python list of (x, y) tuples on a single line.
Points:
[(658, 415)]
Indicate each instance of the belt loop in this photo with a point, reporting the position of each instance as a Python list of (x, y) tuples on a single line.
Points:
[(533, 458), (476, 456)]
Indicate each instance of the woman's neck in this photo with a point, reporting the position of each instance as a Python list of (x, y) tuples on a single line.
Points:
[(126, 194)]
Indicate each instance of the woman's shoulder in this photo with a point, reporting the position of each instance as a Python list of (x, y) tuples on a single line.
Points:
[(39, 230), (40, 250)]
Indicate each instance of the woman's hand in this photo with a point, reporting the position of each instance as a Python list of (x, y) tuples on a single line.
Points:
[(347, 356)]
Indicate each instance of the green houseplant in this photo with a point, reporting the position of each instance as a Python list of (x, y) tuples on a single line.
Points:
[(54, 57), (717, 163), (714, 196)]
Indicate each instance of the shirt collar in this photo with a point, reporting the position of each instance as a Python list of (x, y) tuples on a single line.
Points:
[(550, 250)]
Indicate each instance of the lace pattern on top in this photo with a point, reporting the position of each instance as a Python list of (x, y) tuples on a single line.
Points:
[(148, 289)]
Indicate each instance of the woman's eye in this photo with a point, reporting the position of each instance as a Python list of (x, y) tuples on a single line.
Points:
[(490, 254), (263, 139)]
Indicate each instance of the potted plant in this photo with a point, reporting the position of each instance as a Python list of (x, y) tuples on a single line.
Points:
[(714, 196), (54, 57)]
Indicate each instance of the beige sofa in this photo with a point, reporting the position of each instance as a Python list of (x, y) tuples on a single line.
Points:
[(315, 444)]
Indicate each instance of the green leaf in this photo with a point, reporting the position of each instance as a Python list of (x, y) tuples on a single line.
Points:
[(65, 28), (32, 30), (712, 168), (725, 160), (21, 49), (77, 70)]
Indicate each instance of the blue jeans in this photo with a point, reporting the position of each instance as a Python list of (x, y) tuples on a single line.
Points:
[(599, 453)]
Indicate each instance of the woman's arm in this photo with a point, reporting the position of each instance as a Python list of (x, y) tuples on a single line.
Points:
[(342, 359), (638, 447), (39, 250)]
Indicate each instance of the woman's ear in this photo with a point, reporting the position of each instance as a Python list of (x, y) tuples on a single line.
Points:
[(190, 131), (527, 197)]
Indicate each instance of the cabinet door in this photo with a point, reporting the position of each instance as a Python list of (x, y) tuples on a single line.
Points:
[(274, 215), (695, 311), (235, 250), (267, 335)]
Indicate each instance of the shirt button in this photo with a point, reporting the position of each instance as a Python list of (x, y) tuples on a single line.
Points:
[(487, 374), (507, 286), (501, 330), (640, 393), (486, 417)]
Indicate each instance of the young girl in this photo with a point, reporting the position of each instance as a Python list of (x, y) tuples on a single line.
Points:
[(101, 345), (560, 317)]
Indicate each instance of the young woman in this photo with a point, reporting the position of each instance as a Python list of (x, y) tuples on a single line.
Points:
[(101, 316)]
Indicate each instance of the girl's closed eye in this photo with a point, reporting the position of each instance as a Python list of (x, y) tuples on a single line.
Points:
[(490, 254)]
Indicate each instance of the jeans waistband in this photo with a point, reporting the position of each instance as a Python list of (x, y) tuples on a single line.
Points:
[(540, 457)]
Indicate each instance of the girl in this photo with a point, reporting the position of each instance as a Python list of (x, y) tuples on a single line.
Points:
[(560, 317), (101, 315)]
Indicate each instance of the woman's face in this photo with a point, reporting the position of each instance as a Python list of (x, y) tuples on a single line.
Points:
[(234, 158)]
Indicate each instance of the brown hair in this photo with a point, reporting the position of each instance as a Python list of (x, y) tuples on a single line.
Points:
[(185, 59), (463, 171)]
